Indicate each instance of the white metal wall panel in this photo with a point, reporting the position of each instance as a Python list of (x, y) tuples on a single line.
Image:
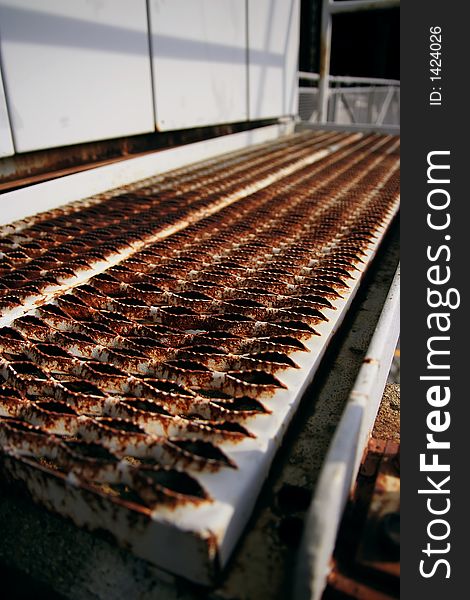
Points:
[(75, 71), (6, 142), (273, 40), (199, 62)]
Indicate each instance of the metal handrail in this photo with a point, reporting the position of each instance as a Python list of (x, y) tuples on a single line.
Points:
[(348, 79), (329, 8)]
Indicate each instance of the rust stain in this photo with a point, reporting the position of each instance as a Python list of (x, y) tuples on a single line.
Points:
[(132, 380)]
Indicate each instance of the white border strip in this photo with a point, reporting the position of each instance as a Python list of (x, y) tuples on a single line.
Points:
[(344, 456), (34, 199)]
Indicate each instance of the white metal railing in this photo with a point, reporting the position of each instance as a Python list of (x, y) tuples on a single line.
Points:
[(348, 79), (332, 100), (350, 100), (330, 8)]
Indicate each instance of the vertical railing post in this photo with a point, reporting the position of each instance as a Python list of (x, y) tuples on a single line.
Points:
[(325, 55)]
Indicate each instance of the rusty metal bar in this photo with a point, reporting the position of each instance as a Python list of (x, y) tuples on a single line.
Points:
[(360, 5), (351, 127)]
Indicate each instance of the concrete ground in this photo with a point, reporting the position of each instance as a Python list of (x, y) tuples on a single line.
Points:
[(387, 424)]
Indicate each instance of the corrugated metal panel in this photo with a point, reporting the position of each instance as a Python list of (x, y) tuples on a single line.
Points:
[(199, 62), (75, 71)]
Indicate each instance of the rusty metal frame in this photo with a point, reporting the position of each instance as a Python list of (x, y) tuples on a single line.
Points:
[(33, 199), (353, 127), (199, 538)]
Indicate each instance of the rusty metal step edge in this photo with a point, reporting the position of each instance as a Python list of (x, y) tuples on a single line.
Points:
[(195, 542), (57, 192), (216, 527)]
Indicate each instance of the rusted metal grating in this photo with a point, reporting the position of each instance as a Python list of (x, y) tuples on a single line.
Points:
[(157, 340)]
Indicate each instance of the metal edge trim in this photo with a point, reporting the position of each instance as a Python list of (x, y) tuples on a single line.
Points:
[(351, 127), (34, 199), (344, 455)]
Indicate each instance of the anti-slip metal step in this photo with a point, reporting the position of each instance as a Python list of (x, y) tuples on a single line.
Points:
[(157, 340)]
